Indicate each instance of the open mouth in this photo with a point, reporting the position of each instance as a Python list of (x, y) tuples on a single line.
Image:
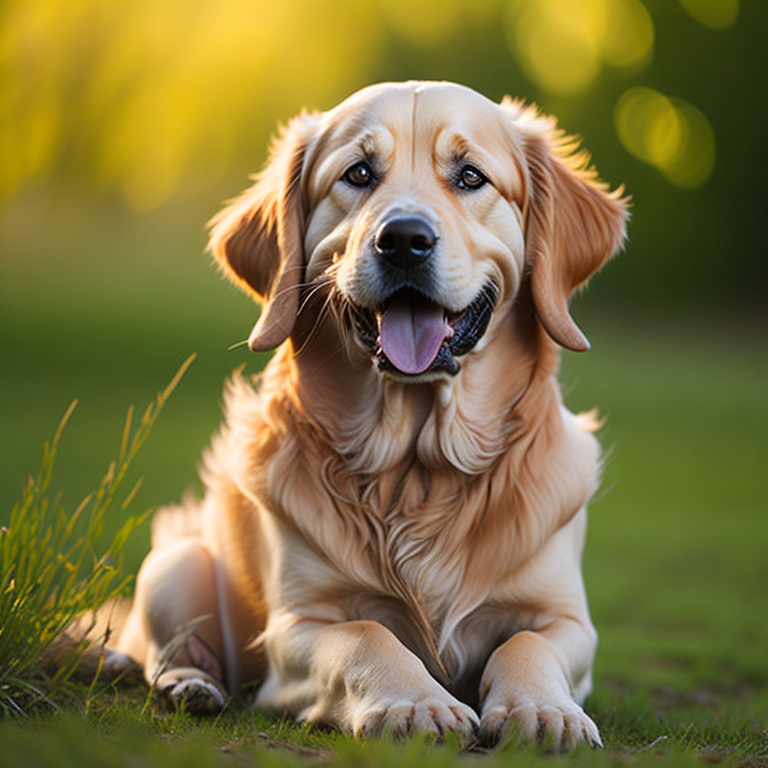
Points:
[(411, 334)]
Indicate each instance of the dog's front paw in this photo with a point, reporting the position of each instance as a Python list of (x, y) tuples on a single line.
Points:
[(192, 690), (559, 724), (405, 717)]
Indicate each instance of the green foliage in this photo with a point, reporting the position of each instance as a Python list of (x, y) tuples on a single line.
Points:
[(149, 104), (51, 571), (89, 117)]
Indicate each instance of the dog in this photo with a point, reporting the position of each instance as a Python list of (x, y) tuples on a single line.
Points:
[(391, 533)]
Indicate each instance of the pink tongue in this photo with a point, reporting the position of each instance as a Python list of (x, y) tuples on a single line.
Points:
[(412, 331)]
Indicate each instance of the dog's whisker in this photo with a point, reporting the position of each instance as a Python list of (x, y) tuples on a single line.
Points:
[(327, 307)]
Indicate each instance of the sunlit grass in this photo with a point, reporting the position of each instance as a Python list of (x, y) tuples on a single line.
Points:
[(55, 565)]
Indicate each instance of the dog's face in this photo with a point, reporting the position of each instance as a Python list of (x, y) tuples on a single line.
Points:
[(424, 209), (416, 211)]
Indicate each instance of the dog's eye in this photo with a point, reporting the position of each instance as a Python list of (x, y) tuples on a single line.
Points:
[(471, 178), (359, 175)]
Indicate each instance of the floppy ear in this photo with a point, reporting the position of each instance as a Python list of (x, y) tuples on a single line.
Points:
[(258, 239), (573, 224)]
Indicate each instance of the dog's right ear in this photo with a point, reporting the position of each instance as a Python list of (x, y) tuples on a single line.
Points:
[(258, 238)]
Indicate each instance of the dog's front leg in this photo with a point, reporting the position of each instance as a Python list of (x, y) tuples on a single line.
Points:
[(358, 676), (533, 681)]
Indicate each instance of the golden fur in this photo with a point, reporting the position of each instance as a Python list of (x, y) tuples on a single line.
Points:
[(390, 550)]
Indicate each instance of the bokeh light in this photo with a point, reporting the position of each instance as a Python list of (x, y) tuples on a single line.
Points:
[(716, 14), (151, 97), (562, 47), (670, 134), (156, 99)]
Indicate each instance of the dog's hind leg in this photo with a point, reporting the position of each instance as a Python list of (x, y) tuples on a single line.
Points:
[(175, 627)]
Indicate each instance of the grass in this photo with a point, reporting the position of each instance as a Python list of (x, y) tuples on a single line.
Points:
[(55, 566), (676, 565)]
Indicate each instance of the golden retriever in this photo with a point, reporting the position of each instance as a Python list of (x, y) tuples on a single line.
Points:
[(392, 529)]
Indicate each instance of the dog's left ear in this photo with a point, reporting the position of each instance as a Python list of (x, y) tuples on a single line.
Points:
[(573, 223), (258, 239)]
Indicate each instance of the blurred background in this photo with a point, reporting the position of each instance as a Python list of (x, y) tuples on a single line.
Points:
[(125, 124)]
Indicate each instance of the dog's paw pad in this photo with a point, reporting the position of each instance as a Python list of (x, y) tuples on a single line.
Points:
[(195, 695)]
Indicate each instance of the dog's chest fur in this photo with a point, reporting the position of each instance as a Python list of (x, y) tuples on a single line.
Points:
[(420, 565), (383, 523)]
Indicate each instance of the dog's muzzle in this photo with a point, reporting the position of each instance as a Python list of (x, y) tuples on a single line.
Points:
[(411, 335)]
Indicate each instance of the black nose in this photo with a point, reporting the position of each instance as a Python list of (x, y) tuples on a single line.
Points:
[(406, 241)]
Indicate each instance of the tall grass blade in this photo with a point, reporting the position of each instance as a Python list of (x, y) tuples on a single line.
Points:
[(50, 569)]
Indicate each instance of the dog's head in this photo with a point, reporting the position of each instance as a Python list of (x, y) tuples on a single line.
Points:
[(422, 209)]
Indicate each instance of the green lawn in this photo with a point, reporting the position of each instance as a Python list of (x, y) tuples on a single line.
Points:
[(676, 563)]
